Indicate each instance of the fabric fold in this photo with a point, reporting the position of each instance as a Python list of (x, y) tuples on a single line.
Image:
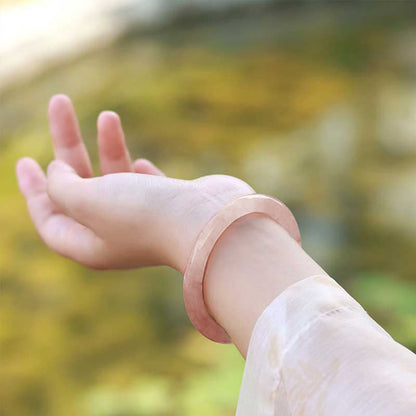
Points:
[(315, 351)]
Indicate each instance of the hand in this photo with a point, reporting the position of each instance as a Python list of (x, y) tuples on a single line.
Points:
[(132, 216)]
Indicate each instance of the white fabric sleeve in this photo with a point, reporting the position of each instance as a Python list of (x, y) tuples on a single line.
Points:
[(315, 351)]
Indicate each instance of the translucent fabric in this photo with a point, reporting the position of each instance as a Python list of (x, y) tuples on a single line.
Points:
[(315, 351)]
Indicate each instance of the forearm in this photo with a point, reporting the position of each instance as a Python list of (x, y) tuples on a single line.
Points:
[(251, 264), (314, 349)]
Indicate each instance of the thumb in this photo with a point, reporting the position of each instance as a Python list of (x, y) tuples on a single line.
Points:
[(69, 191)]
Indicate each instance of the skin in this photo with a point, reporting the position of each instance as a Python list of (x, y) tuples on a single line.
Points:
[(133, 215)]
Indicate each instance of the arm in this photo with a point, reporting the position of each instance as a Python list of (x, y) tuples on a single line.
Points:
[(311, 349), (253, 262), (256, 285)]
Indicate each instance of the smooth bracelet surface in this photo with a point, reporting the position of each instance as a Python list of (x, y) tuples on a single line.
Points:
[(193, 288)]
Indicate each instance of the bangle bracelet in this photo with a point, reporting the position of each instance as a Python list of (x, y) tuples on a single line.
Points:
[(193, 289)]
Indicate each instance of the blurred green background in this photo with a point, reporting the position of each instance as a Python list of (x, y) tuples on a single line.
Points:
[(313, 102)]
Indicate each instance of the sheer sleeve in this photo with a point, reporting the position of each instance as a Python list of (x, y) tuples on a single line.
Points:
[(315, 351)]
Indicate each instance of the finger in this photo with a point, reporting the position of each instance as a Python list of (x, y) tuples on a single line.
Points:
[(147, 167), (66, 136), (70, 192), (112, 150), (60, 232)]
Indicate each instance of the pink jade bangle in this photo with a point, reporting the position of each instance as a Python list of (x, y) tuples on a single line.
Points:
[(193, 288)]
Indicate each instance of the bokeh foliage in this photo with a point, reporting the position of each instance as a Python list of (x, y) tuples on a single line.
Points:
[(223, 97)]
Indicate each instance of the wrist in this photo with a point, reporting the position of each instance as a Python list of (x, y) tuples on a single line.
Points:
[(251, 264), (199, 201)]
